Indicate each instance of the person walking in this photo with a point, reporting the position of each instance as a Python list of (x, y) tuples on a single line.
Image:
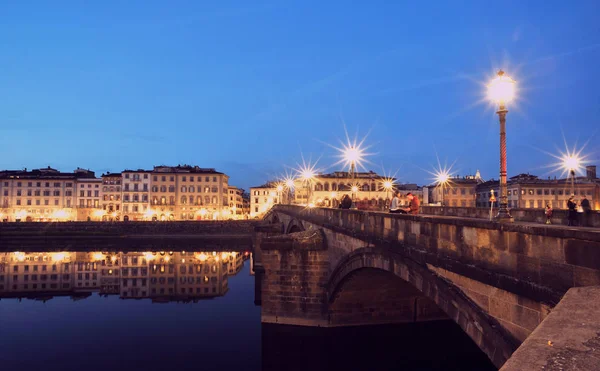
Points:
[(548, 214), (572, 213)]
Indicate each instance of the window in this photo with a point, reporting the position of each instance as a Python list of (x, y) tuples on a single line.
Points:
[(172, 178), (183, 189), (19, 193), (145, 176), (531, 193), (546, 192), (463, 192), (191, 189), (18, 202), (183, 179), (55, 202), (207, 179), (191, 179), (56, 193), (28, 202), (171, 188)]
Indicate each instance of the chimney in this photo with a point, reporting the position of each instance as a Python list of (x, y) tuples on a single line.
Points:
[(590, 171)]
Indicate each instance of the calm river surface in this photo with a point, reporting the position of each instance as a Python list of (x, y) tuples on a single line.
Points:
[(186, 311)]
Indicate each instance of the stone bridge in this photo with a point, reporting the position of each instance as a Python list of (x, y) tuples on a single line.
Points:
[(498, 282)]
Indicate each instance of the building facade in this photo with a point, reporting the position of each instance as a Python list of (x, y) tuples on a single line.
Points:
[(263, 197), (111, 197), (529, 191), (366, 189), (189, 193), (40, 194), (236, 202), (457, 192), (136, 194), (88, 199)]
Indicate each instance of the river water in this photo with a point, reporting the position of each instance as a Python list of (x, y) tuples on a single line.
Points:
[(186, 311)]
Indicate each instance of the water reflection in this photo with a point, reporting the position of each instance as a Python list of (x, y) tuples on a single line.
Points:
[(161, 276)]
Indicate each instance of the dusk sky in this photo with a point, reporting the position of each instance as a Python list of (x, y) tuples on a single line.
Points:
[(247, 87)]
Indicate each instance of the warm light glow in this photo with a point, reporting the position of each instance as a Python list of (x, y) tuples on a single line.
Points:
[(58, 256), (98, 256), (354, 189), (289, 183), (114, 214), (149, 213), (352, 153), (279, 187), (113, 258), (167, 258), (501, 89), (311, 205), (60, 214), (224, 255), (216, 258), (442, 178), (20, 256), (98, 213), (202, 257), (21, 214), (319, 200), (334, 194), (203, 212), (149, 256), (571, 162)]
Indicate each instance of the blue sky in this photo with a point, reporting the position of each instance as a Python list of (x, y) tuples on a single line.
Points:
[(247, 87)]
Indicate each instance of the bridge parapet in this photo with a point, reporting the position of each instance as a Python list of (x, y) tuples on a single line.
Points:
[(497, 276), (559, 216), (538, 261)]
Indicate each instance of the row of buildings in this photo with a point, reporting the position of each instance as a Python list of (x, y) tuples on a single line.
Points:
[(370, 191), (160, 276), (181, 192), (524, 191)]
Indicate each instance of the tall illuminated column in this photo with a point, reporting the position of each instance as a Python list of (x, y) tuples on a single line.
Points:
[(501, 90), (289, 184)]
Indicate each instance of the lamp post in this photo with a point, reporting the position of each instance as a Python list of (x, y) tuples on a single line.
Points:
[(502, 90), (279, 190), (571, 163), (289, 184), (387, 186), (354, 189), (442, 179), (333, 198)]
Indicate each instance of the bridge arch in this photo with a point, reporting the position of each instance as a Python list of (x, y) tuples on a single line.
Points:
[(294, 226), (484, 330)]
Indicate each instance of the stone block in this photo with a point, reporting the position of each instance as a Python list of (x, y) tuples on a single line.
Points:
[(558, 276), (482, 300), (500, 309), (583, 253), (586, 277), (525, 317), (520, 333)]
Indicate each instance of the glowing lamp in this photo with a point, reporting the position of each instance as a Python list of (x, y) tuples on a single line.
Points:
[(98, 256), (354, 189), (501, 89), (279, 188), (289, 183), (333, 194)]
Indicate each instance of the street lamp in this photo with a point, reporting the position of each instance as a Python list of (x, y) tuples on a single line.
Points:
[(289, 184), (387, 185), (307, 175), (571, 163), (279, 190), (442, 180), (333, 198), (501, 90), (354, 190)]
